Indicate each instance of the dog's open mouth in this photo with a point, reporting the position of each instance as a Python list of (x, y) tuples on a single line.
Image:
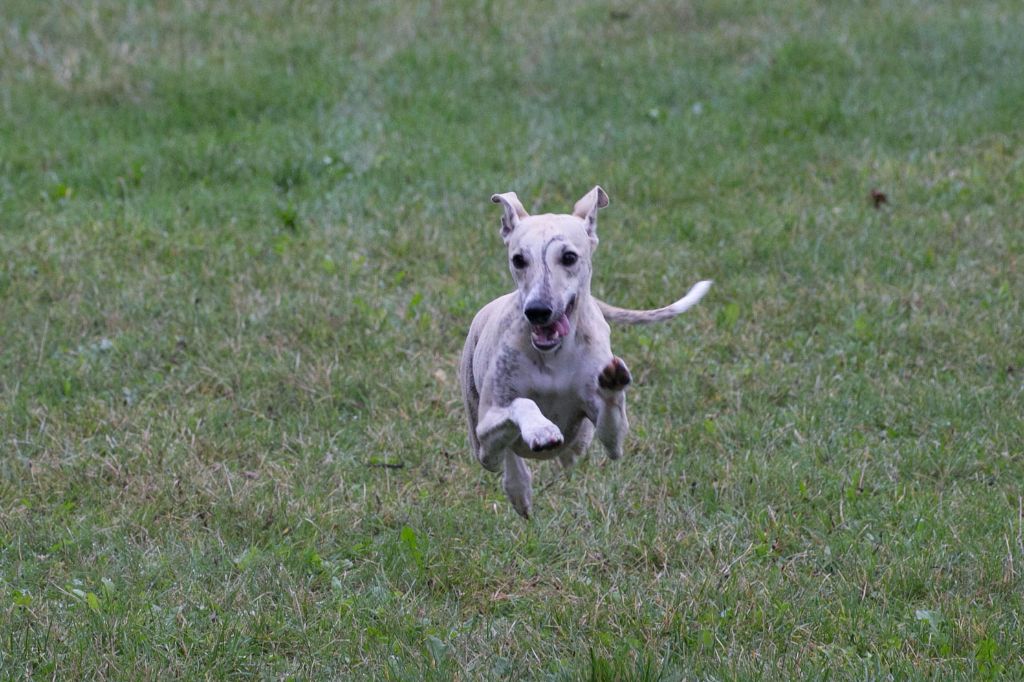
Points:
[(549, 336)]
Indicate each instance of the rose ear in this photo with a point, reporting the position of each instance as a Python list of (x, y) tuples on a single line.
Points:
[(586, 209), (514, 212)]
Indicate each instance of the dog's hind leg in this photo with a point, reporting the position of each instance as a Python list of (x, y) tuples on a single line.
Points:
[(518, 483), (612, 424)]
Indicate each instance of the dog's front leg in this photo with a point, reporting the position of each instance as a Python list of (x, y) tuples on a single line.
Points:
[(499, 428), (612, 424)]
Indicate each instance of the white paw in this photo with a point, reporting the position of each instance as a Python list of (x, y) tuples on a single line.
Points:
[(542, 436)]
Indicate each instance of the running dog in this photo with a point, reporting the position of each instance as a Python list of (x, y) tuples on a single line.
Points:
[(538, 376)]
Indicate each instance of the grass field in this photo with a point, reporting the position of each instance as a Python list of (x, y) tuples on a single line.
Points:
[(240, 249)]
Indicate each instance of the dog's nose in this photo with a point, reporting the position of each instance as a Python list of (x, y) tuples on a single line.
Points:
[(538, 314)]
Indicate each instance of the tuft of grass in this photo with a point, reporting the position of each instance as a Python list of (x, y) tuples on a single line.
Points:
[(239, 251)]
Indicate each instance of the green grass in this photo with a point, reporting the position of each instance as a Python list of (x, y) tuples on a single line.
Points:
[(239, 251)]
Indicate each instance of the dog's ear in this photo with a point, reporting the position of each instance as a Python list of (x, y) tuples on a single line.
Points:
[(586, 208), (514, 212)]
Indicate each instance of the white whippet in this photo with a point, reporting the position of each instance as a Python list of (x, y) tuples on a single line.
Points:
[(538, 375)]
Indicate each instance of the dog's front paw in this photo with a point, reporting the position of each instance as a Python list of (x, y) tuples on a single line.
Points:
[(615, 376), (543, 437)]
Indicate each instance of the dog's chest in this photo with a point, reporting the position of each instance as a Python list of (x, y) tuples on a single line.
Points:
[(555, 377), (559, 389)]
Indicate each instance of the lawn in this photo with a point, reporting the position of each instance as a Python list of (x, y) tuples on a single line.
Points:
[(240, 249)]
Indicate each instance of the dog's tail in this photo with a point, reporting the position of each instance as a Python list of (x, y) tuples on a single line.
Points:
[(626, 316)]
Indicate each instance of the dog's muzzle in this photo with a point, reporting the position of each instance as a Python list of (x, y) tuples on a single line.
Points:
[(547, 335)]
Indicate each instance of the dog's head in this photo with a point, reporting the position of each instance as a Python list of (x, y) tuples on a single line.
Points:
[(549, 256)]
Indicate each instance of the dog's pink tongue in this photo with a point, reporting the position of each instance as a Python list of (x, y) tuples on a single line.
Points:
[(554, 331), (562, 326)]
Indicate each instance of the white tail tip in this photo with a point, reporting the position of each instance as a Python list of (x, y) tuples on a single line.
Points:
[(694, 295)]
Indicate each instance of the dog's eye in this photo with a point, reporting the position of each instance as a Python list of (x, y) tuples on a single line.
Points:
[(518, 262), (569, 258)]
